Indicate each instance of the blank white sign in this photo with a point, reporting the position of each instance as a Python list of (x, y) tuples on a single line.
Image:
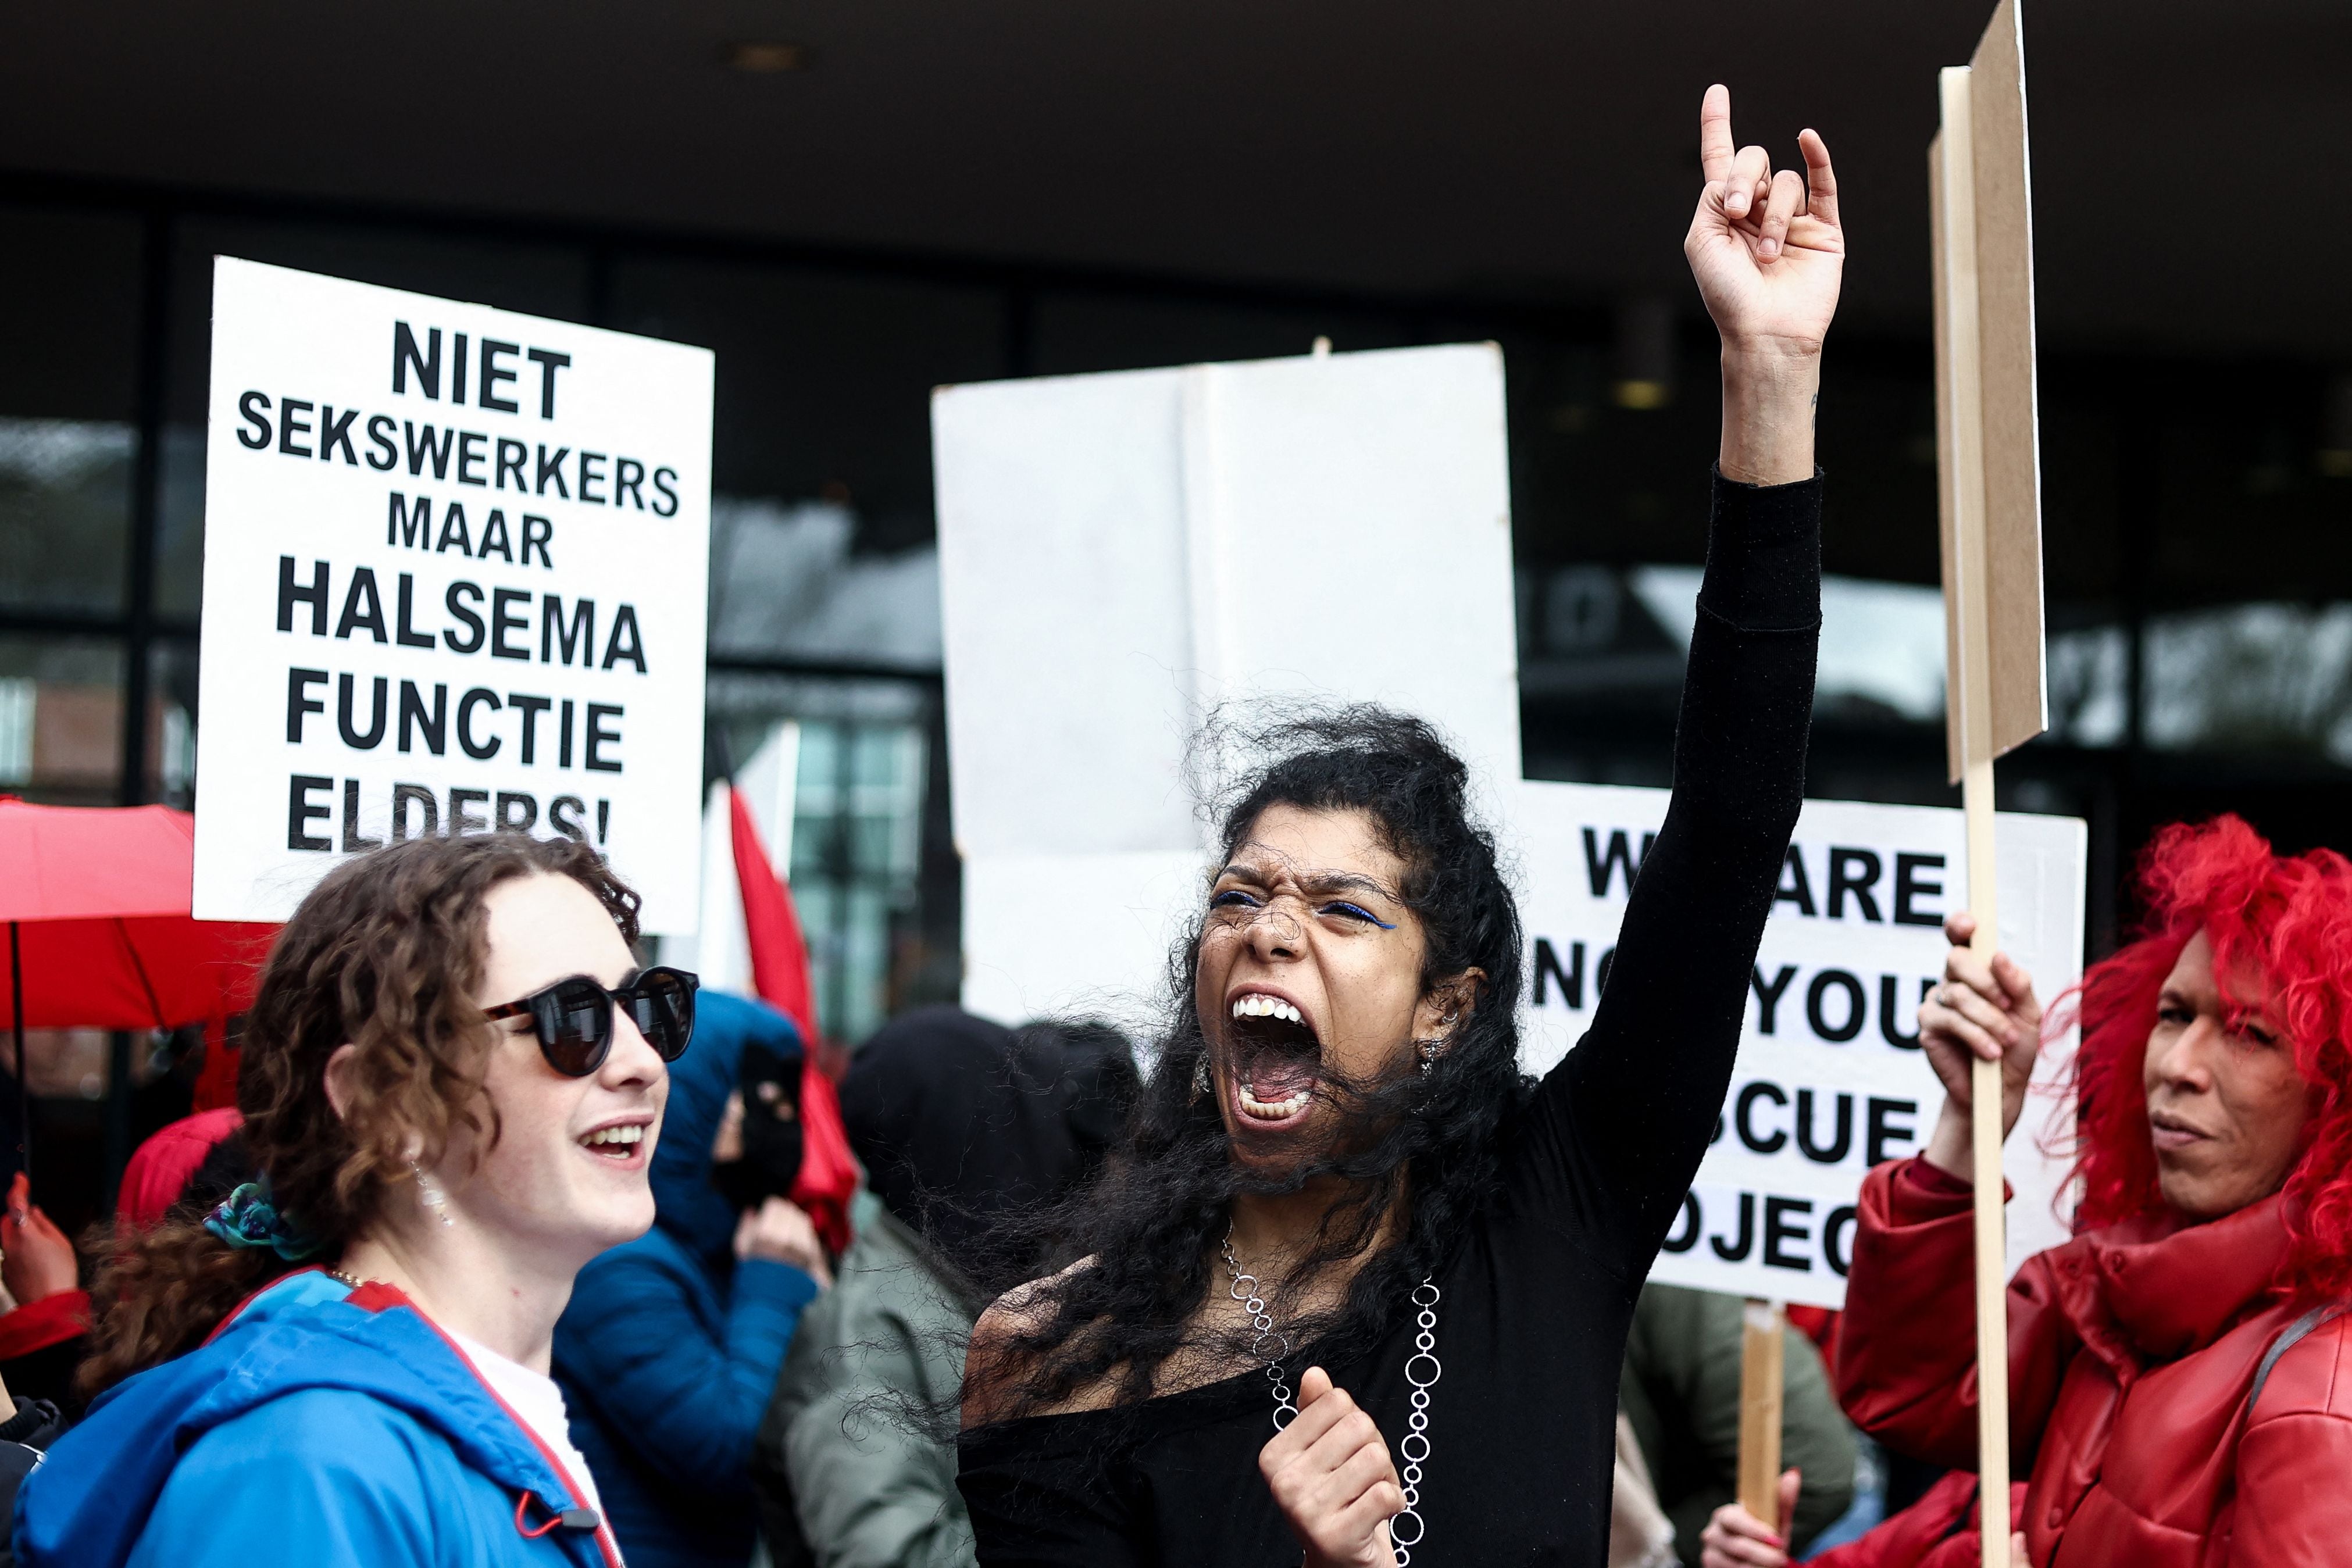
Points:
[(1121, 553)]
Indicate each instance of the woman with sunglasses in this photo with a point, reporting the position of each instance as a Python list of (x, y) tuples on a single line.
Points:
[(452, 1079)]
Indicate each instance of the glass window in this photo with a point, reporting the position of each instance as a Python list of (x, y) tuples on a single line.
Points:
[(821, 520), (69, 316), (787, 581), (2251, 678), (172, 724), (544, 280), (857, 827), (878, 911), (62, 719)]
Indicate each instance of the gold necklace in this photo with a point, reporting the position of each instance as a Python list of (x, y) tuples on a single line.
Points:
[(350, 1279)]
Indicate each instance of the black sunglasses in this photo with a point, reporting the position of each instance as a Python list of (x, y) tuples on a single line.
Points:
[(574, 1017)]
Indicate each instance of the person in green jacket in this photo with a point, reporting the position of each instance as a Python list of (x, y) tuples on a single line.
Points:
[(960, 1123), (845, 1474), (1681, 1392)]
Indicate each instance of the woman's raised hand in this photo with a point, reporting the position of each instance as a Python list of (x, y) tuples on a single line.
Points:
[(1766, 248), (1983, 1009), (1332, 1476)]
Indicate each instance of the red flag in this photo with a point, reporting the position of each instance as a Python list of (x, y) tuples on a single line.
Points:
[(779, 969)]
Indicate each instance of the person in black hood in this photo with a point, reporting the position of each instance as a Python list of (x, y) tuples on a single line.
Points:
[(961, 1125)]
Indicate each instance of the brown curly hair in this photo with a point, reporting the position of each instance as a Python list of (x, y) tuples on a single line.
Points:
[(386, 953)]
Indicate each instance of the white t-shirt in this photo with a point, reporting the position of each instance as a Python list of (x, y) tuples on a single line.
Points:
[(535, 1397)]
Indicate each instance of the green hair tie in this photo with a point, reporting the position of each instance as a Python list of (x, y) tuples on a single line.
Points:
[(247, 1217)]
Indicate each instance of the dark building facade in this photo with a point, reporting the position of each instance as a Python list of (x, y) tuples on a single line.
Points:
[(854, 224)]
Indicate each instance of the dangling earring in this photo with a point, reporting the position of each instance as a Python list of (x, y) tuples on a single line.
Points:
[(1430, 1049), (429, 1194), (1200, 1076)]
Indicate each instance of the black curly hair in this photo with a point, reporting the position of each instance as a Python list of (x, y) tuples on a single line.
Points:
[(1425, 1144)]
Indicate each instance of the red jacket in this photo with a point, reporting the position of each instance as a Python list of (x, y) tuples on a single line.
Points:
[(2131, 1352)]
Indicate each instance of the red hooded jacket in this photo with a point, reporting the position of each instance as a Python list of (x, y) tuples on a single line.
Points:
[(2131, 1353)]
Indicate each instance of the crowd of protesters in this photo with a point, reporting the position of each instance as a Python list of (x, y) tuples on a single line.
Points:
[(532, 1290), (495, 1261)]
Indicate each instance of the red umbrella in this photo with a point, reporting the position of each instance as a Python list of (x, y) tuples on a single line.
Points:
[(99, 931)]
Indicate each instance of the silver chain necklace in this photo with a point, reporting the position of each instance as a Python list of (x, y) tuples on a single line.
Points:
[(1245, 1290)]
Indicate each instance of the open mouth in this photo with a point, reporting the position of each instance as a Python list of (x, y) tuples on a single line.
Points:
[(1275, 1061), (618, 1142)]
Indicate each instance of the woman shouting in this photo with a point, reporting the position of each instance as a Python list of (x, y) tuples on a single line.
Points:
[(1354, 1284)]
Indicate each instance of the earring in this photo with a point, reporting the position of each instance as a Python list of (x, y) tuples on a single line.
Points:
[(1200, 1076), (429, 1194), (1430, 1050)]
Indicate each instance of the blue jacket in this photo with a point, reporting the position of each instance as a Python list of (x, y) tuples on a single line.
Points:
[(313, 1429), (670, 1346)]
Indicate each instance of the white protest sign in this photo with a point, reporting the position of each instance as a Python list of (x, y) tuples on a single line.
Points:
[(1830, 1079), (456, 579), (1121, 553)]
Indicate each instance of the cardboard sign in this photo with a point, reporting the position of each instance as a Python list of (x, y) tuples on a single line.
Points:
[(1988, 448), (456, 579), (1121, 554), (1831, 1080)]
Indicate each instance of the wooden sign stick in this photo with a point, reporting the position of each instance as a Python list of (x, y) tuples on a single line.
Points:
[(1966, 580), (1760, 1347), (1988, 465)]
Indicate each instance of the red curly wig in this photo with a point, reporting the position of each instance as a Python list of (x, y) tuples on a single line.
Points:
[(2285, 918)]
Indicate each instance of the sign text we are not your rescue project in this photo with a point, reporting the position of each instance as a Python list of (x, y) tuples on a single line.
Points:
[(455, 576), (1831, 1079)]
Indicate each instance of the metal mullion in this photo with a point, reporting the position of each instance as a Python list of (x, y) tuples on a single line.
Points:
[(819, 669), (23, 622), (146, 500)]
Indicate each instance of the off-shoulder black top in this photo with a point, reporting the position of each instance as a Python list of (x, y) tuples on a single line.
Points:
[(1538, 1296)]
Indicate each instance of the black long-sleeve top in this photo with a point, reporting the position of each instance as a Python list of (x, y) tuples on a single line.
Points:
[(1538, 1296)]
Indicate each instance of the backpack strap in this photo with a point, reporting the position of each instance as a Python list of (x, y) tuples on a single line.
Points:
[(2286, 1342)]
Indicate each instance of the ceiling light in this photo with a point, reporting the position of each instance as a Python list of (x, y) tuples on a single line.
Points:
[(767, 57)]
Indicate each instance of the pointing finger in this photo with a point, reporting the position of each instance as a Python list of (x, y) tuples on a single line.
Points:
[(1751, 168), (1787, 194), (1715, 133), (1820, 181)]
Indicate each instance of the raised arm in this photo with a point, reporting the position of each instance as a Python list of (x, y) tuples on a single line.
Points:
[(1644, 1087)]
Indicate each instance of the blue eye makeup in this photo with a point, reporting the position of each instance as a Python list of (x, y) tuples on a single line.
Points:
[(1235, 898)]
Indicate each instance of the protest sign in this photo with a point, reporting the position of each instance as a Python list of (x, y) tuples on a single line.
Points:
[(456, 566), (1988, 433), (1830, 1079), (1112, 549), (1989, 468)]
